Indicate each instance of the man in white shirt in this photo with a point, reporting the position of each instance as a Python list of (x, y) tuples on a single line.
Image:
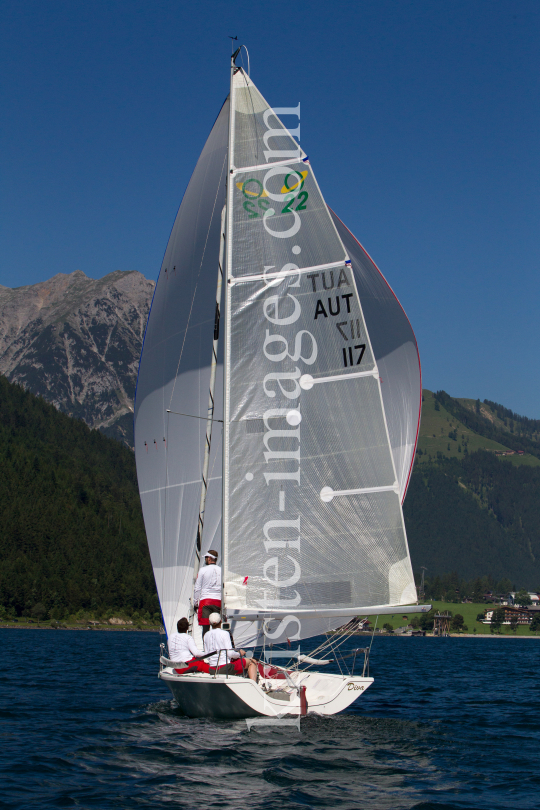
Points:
[(207, 593), (182, 648), (227, 660)]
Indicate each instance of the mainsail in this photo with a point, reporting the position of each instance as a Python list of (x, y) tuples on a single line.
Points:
[(174, 377), (319, 398), (313, 528)]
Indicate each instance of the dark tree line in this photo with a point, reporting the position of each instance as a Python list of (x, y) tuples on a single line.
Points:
[(453, 588), (477, 516), (71, 529)]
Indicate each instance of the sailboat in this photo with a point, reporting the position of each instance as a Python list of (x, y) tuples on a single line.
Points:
[(276, 420)]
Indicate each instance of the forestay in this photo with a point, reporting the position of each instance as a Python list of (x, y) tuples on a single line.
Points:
[(313, 527)]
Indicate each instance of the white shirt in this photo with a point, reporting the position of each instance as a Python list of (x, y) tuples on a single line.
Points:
[(218, 639), (208, 585), (182, 647)]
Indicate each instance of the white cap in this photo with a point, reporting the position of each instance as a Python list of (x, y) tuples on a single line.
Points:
[(214, 618), (211, 554)]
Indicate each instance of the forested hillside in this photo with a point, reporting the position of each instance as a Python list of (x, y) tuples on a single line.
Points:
[(72, 536), (469, 510), (519, 433), (71, 528)]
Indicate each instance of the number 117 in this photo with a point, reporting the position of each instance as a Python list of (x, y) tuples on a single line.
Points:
[(349, 351)]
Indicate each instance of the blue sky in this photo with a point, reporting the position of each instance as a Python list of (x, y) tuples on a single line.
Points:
[(421, 120)]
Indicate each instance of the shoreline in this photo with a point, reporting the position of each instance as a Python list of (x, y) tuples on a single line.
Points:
[(105, 628), (451, 635), (154, 629)]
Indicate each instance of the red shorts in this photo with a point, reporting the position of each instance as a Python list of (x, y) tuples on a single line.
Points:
[(203, 620), (239, 665), (235, 667), (193, 666)]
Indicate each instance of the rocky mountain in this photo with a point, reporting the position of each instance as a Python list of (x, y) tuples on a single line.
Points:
[(76, 342)]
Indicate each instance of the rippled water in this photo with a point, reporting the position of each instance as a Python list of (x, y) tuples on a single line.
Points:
[(448, 723)]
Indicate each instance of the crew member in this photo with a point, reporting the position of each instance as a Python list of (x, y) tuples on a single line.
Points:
[(207, 593), (182, 648), (225, 659)]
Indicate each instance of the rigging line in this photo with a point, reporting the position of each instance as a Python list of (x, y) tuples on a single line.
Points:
[(353, 652), (247, 52), (340, 652), (336, 658), (334, 646), (198, 276), (320, 649), (192, 416), (328, 643), (164, 520), (174, 486), (313, 653), (180, 596), (205, 418), (165, 508), (333, 643), (217, 478)]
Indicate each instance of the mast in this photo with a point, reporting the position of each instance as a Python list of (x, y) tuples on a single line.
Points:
[(226, 358), (210, 420)]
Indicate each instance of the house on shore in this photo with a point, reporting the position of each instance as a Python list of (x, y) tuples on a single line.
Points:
[(534, 597), (523, 615)]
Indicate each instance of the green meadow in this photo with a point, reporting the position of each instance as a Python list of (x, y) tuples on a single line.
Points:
[(441, 432), (469, 611)]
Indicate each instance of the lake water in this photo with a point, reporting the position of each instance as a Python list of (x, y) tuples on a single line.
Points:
[(449, 723)]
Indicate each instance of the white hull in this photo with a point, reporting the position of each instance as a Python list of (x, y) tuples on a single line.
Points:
[(234, 697)]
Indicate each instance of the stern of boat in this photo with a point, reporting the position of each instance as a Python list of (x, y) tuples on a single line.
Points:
[(233, 697)]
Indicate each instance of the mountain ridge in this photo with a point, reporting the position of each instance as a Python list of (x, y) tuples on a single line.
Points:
[(76, 342)]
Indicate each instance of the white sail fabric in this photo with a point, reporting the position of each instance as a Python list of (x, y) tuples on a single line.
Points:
[(396, 352), (174, 375), (259, 135), (309, 422), (305, 423)]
